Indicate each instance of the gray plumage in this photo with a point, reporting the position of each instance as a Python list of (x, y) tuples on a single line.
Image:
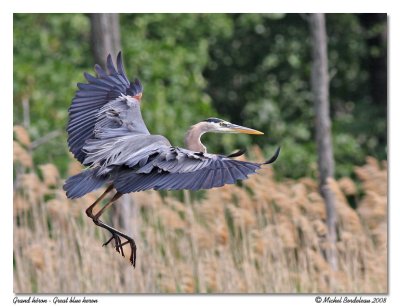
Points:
[(88, 180), (106, 133), (103, 102)]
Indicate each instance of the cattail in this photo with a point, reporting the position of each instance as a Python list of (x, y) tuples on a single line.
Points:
[(242, 198), (186, 281), (318, 262), (210, 270), (21, 155), (320, 227), (269, 236), (87, 200), (379, 234), (202, 237), (284, 204), (315, 207), (347, 186), (287, 233), (35, 253), (171, 220), (309, 183), (22, 235), (308, 237), (176, 205), (221, 233), (346, 215), (242, 217), (167, 282), (59, 212), (216, 199), (226, 192), (257, 242), (149, 199), (50, 174), (22, 135), (209, 211), (20, 204), (32, 186)]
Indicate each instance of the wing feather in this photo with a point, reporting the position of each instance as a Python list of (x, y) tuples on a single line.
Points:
[(100, 72), (228, 178), (211, 171), (110, 66), (217, 180), (83, 108), (120, 67), (85, 94), (90, 98), (91, 87)]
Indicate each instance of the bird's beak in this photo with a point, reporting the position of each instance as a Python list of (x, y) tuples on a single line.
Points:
[(243, 130)]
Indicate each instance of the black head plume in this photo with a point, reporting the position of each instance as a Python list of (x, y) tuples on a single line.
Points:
[(215, 120)]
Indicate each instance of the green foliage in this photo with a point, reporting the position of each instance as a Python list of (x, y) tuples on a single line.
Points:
[(170, 64), (262, 71), (49, 58), (251, 69)]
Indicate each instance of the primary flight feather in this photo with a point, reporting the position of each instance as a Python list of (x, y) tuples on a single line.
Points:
[(107, 134)]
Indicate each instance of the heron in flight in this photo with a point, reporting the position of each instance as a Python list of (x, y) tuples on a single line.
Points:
[(107, 134)]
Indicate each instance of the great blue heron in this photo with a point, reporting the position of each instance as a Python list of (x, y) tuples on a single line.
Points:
[(106, 133)]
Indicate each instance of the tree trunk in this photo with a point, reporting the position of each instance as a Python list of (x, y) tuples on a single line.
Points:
[(105, 36), (320, 89), (105, 39)]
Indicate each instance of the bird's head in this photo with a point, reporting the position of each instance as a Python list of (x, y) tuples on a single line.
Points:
[(217, 125)]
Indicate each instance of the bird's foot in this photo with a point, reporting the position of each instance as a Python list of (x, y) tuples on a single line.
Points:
[(117, 236), (119, 245)]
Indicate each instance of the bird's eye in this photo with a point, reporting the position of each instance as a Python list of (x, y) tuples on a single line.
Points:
[(222, 124)]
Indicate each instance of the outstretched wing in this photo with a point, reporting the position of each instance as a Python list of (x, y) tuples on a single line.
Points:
[(120, 117), (176, 168), (103, 107), (132, 150)]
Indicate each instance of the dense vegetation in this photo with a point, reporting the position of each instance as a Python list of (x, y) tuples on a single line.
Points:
[(252, 69)]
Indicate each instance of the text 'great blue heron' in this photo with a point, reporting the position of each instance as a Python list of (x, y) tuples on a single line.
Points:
[(106, 133)]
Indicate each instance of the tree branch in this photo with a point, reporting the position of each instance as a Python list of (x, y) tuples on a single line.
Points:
[(46, 138)]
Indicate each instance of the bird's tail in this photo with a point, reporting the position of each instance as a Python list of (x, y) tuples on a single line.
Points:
[(80, 184)]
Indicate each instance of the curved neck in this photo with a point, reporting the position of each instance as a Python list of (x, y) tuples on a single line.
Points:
[(192, 139)]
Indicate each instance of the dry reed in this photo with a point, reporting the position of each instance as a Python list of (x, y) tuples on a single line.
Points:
[(264, 237)]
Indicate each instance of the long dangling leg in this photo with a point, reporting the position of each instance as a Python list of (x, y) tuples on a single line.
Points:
[(89, 213), (115, 234), (89, 210)]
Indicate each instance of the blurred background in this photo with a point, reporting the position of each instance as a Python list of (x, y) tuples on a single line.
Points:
[(269, 234)]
